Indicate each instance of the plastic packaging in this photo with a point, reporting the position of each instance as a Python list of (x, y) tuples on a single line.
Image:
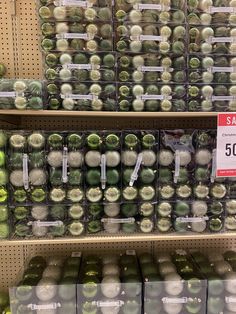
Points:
[(211, 97), (75, 37), (172, 284), (104, 284), (139, 162), (219, 270), (151, 68), (81, 96), (27, 166), (65, 160), (76, 10), (211, 12), (47, 285), (103, 167), (211, 70), (150, 11), (176, 165), (21, 94), (146, 38), (80, 67), (212, 40), (151, 97)]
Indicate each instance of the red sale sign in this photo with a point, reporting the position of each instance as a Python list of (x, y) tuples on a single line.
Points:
[(226, 145)]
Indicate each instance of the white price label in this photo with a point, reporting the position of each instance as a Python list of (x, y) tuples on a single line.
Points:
[(148, 6), (154, 69), (192, 219), (85, 36), (212, 40), (79, 96), (148, 37), (221, 10), (108, 303), (73, 3), (221, 69), (8, 94), (88, 67), (230, 299), (42, 307), (154, 97), (45, 223), (118, 220), (174, 300), (226, 145)]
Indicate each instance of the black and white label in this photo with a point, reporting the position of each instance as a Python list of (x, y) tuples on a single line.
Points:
[(108, 303), (46, 223), (223, 98), (79, 96), (84, 36), (192, 219), (148, 37), (118, 220), (8, 94), (175, 300), (73, 3), (221, 10), (148, 6), (212, 40), (230, 299), (89, 67), (41, 307), (154, 69), (154, 97), (222, 69)]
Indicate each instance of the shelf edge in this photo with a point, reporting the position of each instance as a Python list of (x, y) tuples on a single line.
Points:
[(117, 238)]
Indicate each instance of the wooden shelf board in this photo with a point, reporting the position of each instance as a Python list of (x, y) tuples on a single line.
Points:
[(119, 238), (58, 113)]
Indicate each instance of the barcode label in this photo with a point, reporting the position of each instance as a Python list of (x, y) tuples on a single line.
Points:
[(84, 36), (41, 307), (148, 37), (118, 220), (108, 303), (79, 96), (192, 219), (8, 94), (212, 40), (223, 98), (88, 67), (221, 10), (222, 69), (148, 6), (74, 3), (175, 300), (153, 97)]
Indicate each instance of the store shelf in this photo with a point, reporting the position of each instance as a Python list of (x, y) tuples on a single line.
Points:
[(58, 113), (120, 238)]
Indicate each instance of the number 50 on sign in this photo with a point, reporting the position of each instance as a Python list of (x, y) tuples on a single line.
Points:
[(226, 145)]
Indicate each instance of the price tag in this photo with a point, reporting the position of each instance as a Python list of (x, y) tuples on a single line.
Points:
[(226, 145)]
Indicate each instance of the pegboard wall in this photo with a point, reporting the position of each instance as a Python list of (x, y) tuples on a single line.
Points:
[(98, 123), (19, 39), (7, 31)]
